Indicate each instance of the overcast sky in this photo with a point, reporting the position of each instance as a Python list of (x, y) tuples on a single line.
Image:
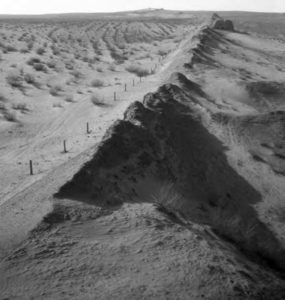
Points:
[(61, 6)]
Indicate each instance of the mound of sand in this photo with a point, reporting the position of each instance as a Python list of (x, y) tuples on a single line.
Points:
[(163, 140)]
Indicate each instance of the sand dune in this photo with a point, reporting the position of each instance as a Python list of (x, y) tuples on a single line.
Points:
[(177, 191)]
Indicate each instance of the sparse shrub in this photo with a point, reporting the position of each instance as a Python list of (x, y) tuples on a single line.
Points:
[(69, 66), (15, 81), (30, 79), (21, 106), (55, 90), (33, 60), (99, 69), (162, 52), (24, 50), (10, 116), (57, 105), (97, 100), (2, 107), (139, 71), (112, 68), (97, 83), (55, 50), (77, 75), (40, 67), (3, 98), (10, 48), (167, 199), (69, 98), (30, 45), (40, 51), (51, 64)]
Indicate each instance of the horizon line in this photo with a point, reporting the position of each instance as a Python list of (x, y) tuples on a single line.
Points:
[(137, 10)]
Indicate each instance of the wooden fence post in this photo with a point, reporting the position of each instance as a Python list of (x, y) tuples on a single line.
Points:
[(125, 87), (87, 128), (115, 96), (31, 168), (133, 82), (64, 146)]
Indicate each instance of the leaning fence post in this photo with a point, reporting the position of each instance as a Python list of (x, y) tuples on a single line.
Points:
[(31, 168)]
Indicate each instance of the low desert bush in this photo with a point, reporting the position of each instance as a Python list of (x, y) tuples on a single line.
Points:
[(69, 98), (97, 83), (40, 67), (167, 199), (30, 79), (24, 50), (57, 105), (55, 90), (10, 116), (77, 75), (97, 100), (69, 66), (3, 98), (30, 45), (112, 68), (23, 107), (40, 51), (33, 60), (99, 69), (10, 48), (162, 52), (138, 70), (15, 81)]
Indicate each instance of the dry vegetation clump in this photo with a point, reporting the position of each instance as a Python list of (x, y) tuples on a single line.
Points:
[(15, 81), (30, 79), (77, 75), (10, 116), (40, 51), (138, 70), (10, 48), (40, 67), (3, 98), (97, 83), (33, 60), (56, 90), (51, 64), (30, 45), (7, 114), (162, 52), (167, 199), (97, 100), (57, 105), (69, 98), (23, 107), (112, 68)]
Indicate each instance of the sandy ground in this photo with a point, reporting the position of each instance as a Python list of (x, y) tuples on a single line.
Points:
[(135, 251)]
